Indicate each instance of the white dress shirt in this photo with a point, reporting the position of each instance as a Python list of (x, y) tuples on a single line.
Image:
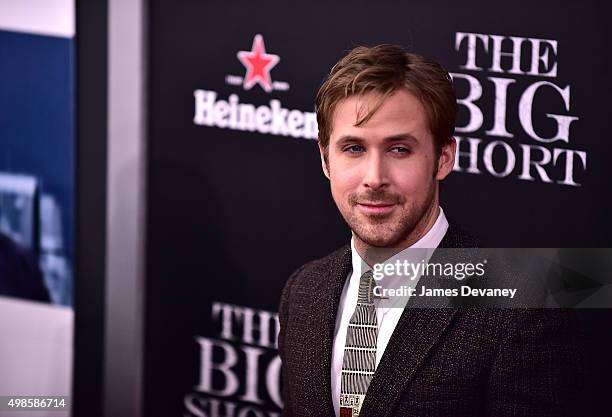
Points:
[(388, 311)]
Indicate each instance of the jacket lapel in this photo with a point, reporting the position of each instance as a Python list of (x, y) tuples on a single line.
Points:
[(324, 311), (414, 336)]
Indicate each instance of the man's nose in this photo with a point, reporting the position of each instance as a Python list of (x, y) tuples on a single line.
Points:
[(375, 172)]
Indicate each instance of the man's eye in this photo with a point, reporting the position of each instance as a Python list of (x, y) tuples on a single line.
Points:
[(354, 149), (400, 150)]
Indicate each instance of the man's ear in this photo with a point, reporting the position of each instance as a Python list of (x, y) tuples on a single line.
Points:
[(323, 163), (446, 161)]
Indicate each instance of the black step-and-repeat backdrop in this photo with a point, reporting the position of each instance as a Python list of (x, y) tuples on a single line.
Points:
[(236, 196)]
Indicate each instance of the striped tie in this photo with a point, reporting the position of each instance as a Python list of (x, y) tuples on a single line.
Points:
[(359, 360)]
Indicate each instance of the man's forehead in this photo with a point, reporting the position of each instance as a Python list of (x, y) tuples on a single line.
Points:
[(399, 114)]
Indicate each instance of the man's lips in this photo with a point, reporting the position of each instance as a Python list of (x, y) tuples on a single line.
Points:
[(376, 208)]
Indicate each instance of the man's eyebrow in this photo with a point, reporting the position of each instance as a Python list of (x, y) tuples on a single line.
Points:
[(348, 139), (401, 137)]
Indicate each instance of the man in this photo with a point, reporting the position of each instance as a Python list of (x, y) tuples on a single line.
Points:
[(386, 119)]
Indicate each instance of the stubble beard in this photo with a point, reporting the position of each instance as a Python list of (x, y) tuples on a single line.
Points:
[(398, 230)]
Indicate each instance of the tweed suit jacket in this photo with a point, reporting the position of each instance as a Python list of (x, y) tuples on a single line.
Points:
[(439, 361)]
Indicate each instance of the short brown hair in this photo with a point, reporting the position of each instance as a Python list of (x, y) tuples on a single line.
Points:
[(384, 69)]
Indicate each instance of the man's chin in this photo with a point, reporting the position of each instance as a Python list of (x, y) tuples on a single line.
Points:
[(382, 235), (379, 241)]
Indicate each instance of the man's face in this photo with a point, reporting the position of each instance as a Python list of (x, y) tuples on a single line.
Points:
[(384, 174)]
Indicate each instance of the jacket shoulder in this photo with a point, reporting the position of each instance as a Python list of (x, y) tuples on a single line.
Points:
[(318, 270), (457, 237), (323, 265)]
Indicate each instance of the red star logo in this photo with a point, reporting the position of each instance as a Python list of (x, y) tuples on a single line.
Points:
[(258, 65)]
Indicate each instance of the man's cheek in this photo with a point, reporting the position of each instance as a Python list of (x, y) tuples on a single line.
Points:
[(339, 195), (345, 181), (413, 177)]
